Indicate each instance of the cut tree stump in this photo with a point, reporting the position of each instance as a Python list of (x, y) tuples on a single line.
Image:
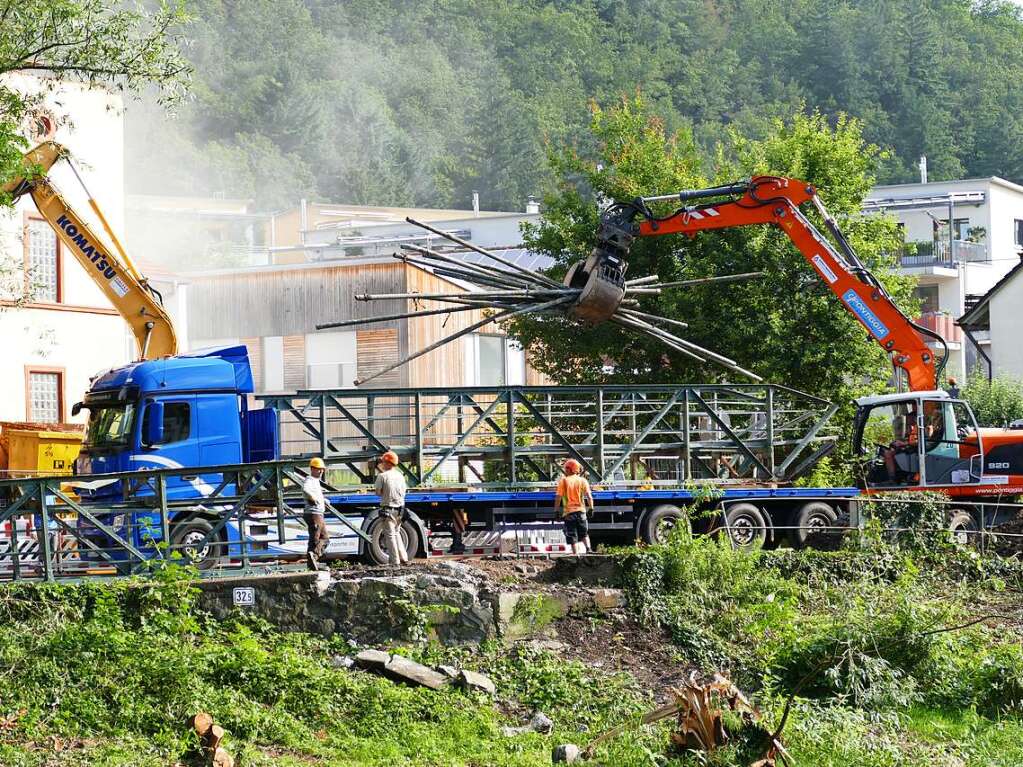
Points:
[(210, 737)]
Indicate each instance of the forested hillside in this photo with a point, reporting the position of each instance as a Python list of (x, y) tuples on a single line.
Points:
[(383, 101)]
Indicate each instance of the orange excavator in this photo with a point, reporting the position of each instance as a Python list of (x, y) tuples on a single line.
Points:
[(921, 439)]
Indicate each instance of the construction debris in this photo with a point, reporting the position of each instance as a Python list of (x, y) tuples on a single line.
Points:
[(700, 707), (594, 291)]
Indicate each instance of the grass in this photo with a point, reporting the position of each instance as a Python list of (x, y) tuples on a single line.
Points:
[(108, 675)]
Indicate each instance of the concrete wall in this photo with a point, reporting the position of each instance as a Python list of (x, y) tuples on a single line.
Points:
[(1007, 329), (81, 335)]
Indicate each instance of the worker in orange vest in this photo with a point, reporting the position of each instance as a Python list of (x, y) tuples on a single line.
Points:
[(570, 499)]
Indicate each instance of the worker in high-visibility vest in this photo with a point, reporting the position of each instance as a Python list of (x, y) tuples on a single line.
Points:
[(570, 499)]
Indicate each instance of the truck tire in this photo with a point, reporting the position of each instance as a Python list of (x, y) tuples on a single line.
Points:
[(185, 536), (812, 522), (963, 528), (375, 552), (656, 526), (746, 526)]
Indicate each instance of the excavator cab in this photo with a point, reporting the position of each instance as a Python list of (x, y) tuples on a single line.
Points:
[(917, 440)]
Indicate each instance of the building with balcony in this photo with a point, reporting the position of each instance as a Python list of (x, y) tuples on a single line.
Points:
[(961, 238)]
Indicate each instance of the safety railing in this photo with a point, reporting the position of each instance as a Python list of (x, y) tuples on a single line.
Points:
[(238, 516), (622, 435)]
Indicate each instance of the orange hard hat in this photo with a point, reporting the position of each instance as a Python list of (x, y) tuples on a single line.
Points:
[(317, 463), (390, 457), (572, 466)]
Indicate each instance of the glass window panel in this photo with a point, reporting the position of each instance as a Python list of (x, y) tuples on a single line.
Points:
[(44, 397), (42, 261)]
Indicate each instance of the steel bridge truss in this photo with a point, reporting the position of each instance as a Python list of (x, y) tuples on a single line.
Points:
[(518, 435), (131, 530)]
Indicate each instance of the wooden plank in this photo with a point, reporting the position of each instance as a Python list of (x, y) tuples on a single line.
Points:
[(294, 362), (255, 347), (376, 349)]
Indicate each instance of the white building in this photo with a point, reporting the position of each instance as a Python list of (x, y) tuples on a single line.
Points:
[(67, 331), (996, 316), (955, 264)]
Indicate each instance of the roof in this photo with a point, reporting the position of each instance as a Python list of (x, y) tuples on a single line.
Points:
[(997, 180), (517, 255), (885, 399), (978, 317), (350, 215)]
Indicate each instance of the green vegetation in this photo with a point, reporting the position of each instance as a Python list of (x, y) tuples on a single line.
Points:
[(878, 644), (998, 402), (786, 326), (384, 103)]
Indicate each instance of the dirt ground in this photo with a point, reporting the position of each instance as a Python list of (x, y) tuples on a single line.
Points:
[(609, 640)]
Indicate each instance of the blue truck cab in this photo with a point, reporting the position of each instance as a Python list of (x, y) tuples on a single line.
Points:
[(176, 412), (190, 410)]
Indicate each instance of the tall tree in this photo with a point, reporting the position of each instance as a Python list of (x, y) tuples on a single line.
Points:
[(785, 326)]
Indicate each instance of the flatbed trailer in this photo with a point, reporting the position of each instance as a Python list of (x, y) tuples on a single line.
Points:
[(252, 518)]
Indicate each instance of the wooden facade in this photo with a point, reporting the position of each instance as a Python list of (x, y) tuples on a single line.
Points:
[(289, 301)]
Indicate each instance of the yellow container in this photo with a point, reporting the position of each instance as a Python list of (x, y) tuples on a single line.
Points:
[(36, 453)]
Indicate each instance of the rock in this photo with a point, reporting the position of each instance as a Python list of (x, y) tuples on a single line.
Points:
[(606, 600), (548, 645), (567, 753), (449, 671), (511, 732), (373, 660), (524, 568), (342, 661), (475, 682), (405, 670), (541, 723)]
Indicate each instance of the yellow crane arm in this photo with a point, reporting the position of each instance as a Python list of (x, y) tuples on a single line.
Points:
[(118, 278)]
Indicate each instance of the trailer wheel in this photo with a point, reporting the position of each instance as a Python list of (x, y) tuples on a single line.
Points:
[(963, 528), (375, 552), (812, 524), (746, 525), (658, 524), (185, 540)]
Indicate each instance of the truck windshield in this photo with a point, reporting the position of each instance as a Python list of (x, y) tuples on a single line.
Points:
[(110, 425)]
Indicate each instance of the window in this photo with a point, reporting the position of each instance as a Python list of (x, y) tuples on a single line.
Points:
[(331, 359), (491, 360), (1018, 226), (960, 228), (176, 421), (43, 257), (110, 426), (273, 363), (928, 297), (45, 390)]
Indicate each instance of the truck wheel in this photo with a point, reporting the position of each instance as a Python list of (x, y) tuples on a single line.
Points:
[(746, 526), (812, 524), (375, 552), (658, 524), (185, 540), (963, 528)]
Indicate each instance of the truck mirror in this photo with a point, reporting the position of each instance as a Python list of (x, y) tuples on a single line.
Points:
[(76, 409), (153, 424)]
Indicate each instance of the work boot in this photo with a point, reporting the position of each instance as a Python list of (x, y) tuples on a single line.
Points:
[(457, 547)]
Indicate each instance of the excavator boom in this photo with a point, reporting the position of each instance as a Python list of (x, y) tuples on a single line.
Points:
[(117, 277), (775, 200)]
